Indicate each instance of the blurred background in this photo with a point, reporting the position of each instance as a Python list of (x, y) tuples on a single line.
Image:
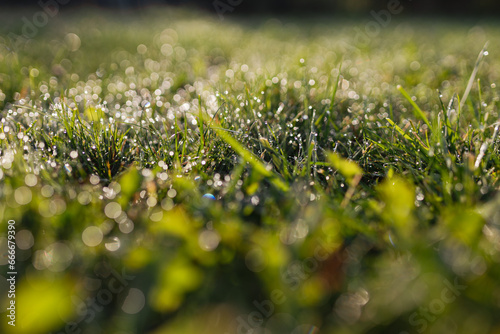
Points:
[(488, 7)]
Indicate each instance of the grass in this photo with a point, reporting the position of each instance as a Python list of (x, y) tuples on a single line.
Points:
[(252, 173)]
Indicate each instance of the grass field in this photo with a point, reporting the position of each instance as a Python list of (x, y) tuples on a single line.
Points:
[(169, 172)]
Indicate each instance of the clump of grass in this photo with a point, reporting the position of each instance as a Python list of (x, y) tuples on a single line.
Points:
[(354, 181)]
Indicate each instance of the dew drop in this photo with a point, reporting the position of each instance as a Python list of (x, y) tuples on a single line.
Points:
[(209, 196)]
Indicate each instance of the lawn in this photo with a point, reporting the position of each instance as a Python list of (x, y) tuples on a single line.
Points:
[(166, 171)]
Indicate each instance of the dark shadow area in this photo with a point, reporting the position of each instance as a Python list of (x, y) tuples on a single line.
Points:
[(441, 7)]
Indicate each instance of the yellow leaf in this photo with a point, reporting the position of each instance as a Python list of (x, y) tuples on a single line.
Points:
[(176, 279), (129, 183), (93, 114), (42, 304), (464, 224), (399, 201), (347, 168), (175, 222)]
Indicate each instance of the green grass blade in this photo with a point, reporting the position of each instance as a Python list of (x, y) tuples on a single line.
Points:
[(250, 158), (473, 75), (418, 112)]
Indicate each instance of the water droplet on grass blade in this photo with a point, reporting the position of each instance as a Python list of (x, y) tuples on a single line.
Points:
[(58, 257), (209, 196), (126, 227), (208, 240), (92, 236), (134, 302), (68, 169), (390, 239), (112, 244)]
